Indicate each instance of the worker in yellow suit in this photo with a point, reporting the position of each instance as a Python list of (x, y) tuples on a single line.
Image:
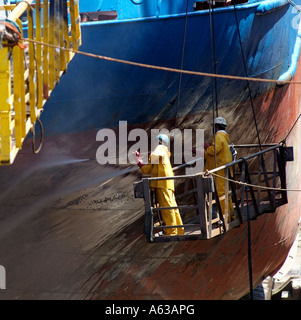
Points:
[(160, 166), (220, 147)]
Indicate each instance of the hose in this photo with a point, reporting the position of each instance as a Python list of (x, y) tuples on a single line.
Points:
[(35, 151)]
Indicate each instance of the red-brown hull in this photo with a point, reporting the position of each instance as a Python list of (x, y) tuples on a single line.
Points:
[(131, 268)]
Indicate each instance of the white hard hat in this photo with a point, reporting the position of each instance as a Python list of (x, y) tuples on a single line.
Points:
[(163, 137), (220, 120)]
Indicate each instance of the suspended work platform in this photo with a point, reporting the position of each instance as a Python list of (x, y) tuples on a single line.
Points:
[(31, 63), (255, 184)]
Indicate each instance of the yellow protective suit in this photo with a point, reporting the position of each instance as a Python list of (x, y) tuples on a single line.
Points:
[(223, 156), (160, 166)]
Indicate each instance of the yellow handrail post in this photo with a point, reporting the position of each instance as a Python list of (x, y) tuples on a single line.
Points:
[(66, 31), (39, 54), (45, 50), (78, 30), (51, 49), (5, 107), (32, 65), (75, 24), (61, 30), (56, 42), (19, 94)]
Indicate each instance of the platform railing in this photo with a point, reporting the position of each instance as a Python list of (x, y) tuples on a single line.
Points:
[(256, 184), (29, 68)]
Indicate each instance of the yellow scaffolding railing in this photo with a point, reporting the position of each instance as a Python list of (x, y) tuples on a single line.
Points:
[(29, 71)]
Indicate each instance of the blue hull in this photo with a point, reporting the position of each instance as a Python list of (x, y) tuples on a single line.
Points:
[(96, 93)]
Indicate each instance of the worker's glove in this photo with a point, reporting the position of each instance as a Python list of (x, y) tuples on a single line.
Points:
[(139, 160), (206, 145)]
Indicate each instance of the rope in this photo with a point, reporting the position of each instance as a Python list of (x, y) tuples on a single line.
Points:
[(182, 62), (207, 173), (213, 59), (148, 66), (292, 127), (213, 70), (294, 5), (246, 73), (12, 34)]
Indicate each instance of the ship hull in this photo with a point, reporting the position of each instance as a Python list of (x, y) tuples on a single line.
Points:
[(217, 268), (71, 228), (100, 93), (74, 231)]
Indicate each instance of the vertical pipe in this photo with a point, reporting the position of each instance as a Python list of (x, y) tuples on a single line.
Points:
[(249, 247), (66, 32), (45, 50), (50, 49), (226, 213), (202, 211), (148, 222), (39, 54), (17, 63), (5, 107), (32, 58), (63, 65), (73, 24), (22, 85), (56, 31)]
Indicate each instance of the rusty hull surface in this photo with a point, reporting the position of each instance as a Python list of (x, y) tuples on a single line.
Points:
[(73, 230)]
